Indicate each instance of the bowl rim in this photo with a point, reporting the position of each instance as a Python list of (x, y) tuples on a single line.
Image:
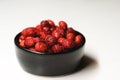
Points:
[(16, 39)]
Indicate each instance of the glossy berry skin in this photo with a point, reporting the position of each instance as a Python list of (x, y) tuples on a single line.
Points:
[(70, 30), (57, 48), (50, 40), (28, 31), (38, 27), (61, 40), (41, 47), (21, 38), (52, 29), (63, 25), (29, 42), (46, 29), (37, 39), (45, 26), (51, 23), (58, 32), (43, 34), (70, 36), (22, 43), (78, 39), (68, 44), (44, 23)]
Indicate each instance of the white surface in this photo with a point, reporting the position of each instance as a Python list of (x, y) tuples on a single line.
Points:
[(98, 20)]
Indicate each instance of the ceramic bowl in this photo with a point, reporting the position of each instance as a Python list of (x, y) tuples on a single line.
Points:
[(48, 64)]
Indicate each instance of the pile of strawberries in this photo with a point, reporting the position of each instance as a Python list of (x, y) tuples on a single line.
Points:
[(50, 38)]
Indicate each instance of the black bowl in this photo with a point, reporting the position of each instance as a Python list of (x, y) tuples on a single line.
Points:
[(48, 64)]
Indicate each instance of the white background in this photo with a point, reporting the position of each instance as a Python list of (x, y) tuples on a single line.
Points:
[(98, 20)]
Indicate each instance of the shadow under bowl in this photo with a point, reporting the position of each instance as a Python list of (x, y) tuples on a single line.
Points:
[(49, 64)]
